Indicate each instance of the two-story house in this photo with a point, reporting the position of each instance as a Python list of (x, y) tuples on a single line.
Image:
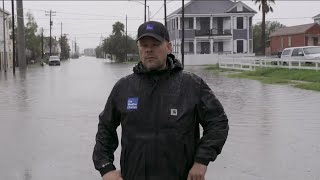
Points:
[(5, 41), (212, 28)]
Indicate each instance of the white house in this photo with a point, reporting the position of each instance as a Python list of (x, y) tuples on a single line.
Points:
[(316, 19), (5, 62), (212, 28)]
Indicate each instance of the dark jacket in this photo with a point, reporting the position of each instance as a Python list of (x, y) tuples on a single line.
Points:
[(160, 113)]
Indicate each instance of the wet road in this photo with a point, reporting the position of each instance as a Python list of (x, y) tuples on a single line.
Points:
[(49, 116)]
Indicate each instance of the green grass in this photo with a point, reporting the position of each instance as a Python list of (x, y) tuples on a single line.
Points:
[(304, 79)]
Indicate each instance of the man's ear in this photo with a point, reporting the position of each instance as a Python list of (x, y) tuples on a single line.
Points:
[(169, 47)]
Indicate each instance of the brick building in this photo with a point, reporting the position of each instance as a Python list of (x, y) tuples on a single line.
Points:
[(301, 35)]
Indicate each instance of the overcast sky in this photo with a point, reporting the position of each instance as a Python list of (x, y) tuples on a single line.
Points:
[(88, 21)]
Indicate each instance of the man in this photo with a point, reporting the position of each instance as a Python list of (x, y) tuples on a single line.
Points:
[(159, 108)]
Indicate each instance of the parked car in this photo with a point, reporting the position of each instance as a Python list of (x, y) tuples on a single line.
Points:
[(303, 53), (54, 61)]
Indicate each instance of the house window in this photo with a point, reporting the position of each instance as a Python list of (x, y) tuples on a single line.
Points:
[(239, 22), (220, 46), (191, 47), (289, 41), (205, 47), (239, 8), (239, 46)]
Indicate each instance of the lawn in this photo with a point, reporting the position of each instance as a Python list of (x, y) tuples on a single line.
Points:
[(305, 79)]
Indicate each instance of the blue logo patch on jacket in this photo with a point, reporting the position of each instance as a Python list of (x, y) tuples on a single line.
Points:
[(132, 103)]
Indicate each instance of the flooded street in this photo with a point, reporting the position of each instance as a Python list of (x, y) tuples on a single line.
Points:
[(49, 117)]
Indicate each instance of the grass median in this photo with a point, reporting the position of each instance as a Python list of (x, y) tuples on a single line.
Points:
[(304, 79)]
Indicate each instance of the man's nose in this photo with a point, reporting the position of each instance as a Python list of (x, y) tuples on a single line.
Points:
[(149, 49)]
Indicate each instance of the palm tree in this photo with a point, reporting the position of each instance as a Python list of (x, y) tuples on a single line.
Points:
[(266, 8)]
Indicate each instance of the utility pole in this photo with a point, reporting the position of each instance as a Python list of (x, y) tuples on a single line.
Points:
[(42, 44), (145, 10), (4, 40), (13, 40), (126, 38), (51, 13), (21, 37), (50, 33), (61, 41), (182, 38), (165, 13)]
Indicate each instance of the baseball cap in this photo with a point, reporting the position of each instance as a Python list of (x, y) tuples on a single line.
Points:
[(153, 29)]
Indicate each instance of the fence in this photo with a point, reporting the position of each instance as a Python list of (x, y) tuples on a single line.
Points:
[(251, 63)]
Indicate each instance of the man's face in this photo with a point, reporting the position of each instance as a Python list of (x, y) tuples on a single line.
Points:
[(153, 53)]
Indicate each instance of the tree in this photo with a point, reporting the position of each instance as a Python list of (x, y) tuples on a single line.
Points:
[(271, 26), (99, 52), (115, 44), (266, 8), (33, 41), (65, 47)]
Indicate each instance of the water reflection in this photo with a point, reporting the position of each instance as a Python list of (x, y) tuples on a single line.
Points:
[(49, 117)]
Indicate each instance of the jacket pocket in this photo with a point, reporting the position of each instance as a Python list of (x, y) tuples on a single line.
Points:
[(133, 162)]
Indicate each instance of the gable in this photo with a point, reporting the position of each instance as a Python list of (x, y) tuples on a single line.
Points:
[(240, 7), (205, 7)]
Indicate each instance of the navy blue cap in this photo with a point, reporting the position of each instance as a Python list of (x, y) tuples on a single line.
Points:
[(153, 29)]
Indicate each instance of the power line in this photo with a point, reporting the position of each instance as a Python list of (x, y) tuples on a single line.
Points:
[(157, 11), (73, 13)]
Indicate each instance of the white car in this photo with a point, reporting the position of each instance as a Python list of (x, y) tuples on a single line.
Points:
[(303, 52), (54, 61)]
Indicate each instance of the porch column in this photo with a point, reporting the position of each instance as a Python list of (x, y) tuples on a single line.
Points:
[(195, 23), (179, 22), (211, 46), (232, 27), (211, 22), (195, 46), (248, 34)]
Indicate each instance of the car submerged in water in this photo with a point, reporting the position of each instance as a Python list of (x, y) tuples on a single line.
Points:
[(54, 61)]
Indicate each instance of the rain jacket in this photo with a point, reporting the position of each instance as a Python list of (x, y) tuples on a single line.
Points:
[(160, 113)]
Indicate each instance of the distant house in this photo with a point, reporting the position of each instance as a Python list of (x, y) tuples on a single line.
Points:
[(301, 35), (89, 52), (8, 42), (316, 19), (212, 28)]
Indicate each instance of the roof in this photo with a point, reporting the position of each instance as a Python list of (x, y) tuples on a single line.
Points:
[(317, 16), (209, 7), (292, 30)]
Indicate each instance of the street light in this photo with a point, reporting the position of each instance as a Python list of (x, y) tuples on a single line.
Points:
[(145, 5)]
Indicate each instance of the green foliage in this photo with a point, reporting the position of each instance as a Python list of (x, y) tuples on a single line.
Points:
[(33, 41), (265, 6), (305, 79), (271, 26), (309, 86), (115, 44), (99, 52), (65, 48)]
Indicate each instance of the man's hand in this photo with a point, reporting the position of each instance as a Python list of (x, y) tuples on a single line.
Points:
[(197, 172), (112, 175)]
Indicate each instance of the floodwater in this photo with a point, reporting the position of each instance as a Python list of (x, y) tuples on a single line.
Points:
[(49, 117)]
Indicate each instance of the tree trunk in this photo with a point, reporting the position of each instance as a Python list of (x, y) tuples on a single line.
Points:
[(263, 29)]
